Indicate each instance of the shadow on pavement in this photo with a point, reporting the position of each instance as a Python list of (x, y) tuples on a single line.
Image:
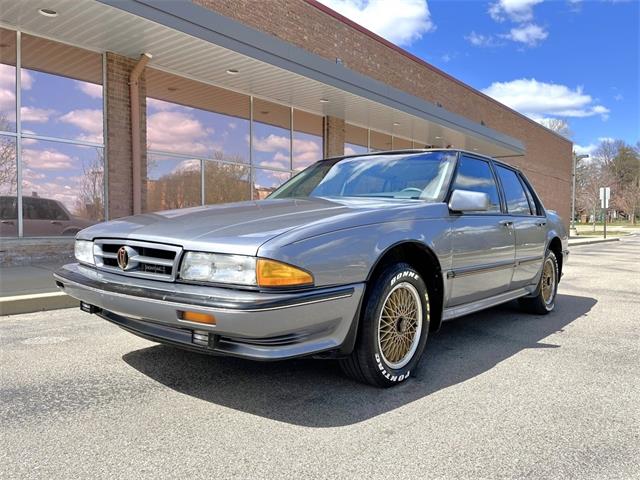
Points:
[(315, 393)]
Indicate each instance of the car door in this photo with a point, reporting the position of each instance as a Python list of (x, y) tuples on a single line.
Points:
[(483, 243), (43, 217), (528, 224)]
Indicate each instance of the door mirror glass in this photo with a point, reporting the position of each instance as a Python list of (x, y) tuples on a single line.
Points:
[(468, 201)]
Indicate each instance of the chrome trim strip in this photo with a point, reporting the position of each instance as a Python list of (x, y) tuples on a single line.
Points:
[(463, 272)]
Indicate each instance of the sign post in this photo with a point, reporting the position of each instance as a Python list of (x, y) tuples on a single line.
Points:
[(605, 194)]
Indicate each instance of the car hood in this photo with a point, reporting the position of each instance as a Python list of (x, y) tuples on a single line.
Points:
[(238, 228)]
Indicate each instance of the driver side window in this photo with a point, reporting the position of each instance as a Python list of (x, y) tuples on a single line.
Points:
[(475, 175)]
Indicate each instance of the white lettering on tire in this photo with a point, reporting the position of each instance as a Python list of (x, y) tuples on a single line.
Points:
[(387, 375)]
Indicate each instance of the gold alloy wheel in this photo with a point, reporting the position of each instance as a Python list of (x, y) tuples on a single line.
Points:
[(400, 325), (548, 281)]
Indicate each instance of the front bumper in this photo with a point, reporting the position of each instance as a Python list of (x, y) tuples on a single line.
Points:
[(250, 324)]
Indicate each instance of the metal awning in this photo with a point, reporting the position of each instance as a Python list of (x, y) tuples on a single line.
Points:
[(194, 42)]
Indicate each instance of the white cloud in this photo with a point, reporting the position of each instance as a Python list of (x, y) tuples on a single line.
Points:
[(480, 40), (88, 120), (46, 159), (91, 89), (399, 21), (271, 143), (34, 114), (305, 152), (178, 132), (539, 99), (187, 166), (514, 10), (618, 97), (529, 34)]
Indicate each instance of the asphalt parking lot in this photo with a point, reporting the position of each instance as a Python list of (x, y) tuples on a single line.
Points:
[(500, 394)]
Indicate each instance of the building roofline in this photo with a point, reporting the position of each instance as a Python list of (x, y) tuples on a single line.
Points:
[(421, 62), (214, 27)]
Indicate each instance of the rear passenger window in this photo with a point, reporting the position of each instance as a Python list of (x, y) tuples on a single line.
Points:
[(517, 201), (475, 175)]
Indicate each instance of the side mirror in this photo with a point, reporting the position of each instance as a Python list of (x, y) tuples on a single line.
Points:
[(468, 201)]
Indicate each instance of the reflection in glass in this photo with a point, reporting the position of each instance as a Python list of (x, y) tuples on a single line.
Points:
[(8, 187), (61, 92), (193, 118), (172, 182), (271, 135), (356, 140), (266, 181), (62, 187), (307, 139), (352, 149), (380, 141), (401, 143), (7, 80), (225, 182)]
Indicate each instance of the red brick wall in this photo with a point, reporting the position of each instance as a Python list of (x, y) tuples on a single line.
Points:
[(548, 157), (120, 184), (333, 137)]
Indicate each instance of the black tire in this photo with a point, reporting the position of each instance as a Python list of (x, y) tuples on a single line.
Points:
[(367, 363), (541, 303)]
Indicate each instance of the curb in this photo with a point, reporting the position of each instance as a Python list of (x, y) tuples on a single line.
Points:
[(591, 242), (36, 303)]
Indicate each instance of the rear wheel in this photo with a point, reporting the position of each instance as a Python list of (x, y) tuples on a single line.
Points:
[(545, 295), (393, 328)]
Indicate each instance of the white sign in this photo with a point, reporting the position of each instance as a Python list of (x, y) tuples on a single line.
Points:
[(605, 194)]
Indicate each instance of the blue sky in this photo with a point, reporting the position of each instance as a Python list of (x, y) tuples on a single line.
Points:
[(574, 60)]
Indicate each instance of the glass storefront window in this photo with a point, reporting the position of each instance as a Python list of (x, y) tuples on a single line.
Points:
[(8, 187), (172, 182), (225, 182), (380, 141), (7, 80), (62, 187), (356, 140), (266, 181), (271, 135), (193, 118), (307, 139), (402, 143), (61, 91)]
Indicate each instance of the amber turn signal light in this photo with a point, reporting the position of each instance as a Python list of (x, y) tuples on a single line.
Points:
[(271, 273), (198, 317)]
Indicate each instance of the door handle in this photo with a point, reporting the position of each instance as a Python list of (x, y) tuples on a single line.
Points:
[(8, 222), (541, 224), (55, 222), (506, 223)]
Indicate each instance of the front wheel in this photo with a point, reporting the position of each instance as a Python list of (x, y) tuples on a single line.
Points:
[(544, 299), (393, 330)]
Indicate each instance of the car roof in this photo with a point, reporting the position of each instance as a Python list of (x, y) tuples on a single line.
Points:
[(422, 150)]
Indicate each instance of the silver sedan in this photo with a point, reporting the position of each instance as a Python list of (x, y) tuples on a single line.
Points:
[(356, 258)]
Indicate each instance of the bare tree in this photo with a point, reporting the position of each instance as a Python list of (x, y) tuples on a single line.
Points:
[(558, 125), (8, 166), (90, 201)]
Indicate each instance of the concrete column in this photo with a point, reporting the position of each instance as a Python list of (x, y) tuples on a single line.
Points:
[(118, 114), (333, 136)]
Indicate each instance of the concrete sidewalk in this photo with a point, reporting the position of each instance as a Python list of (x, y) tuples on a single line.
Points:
[(31, 288), (585, 240)]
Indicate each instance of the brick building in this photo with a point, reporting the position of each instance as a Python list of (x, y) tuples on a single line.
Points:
[(231, 101)]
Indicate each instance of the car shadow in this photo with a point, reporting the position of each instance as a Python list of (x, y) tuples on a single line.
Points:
[(315, 393)]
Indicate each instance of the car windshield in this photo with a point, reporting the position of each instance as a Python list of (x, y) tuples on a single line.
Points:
[(418, 176)]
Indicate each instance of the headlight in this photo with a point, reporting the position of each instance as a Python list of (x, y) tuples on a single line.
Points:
[(218, 268), (83, 251), (241, 270)]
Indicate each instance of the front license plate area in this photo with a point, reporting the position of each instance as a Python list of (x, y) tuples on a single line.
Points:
[(87, 307)]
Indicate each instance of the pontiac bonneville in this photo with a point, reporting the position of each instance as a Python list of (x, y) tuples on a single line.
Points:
[(356, 258)]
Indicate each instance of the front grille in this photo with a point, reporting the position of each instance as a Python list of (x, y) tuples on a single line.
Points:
[(144, 259)]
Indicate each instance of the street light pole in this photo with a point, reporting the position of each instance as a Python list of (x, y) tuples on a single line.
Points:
[(572, 229)]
